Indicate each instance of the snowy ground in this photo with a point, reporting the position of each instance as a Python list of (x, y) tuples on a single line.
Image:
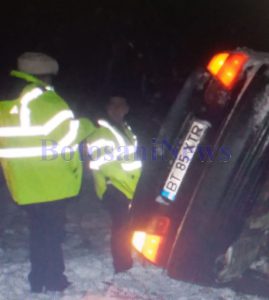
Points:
[(89, 265)]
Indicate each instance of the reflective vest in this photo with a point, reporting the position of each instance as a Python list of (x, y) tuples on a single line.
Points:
[(39, 139), (114, 159)]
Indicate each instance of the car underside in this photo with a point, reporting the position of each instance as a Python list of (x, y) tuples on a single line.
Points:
[(201, 209)]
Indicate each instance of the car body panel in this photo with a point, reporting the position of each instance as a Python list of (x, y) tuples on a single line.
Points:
[(219, 188)]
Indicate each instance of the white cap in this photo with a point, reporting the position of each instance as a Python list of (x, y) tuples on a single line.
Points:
[(37, 64)]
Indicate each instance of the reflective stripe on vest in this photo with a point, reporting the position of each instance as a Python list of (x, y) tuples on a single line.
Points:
[(115, 155), (25, 128), (132, 166), (25, 111), (96, 164), (118, 137), (45, 129)]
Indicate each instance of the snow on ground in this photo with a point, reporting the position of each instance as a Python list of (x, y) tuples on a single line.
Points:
[(89, 265)]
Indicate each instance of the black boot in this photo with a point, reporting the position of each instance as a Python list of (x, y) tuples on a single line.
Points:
[(57, 284), (37, 285)]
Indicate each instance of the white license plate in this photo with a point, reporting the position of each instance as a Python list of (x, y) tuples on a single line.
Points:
[(184, 159)]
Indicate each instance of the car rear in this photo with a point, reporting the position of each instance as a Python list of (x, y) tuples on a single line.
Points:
[(206, 167)]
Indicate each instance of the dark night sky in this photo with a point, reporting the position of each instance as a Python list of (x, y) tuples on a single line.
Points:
[(86, 36)]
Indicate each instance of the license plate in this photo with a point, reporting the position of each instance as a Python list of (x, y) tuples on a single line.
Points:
[(184, 159)]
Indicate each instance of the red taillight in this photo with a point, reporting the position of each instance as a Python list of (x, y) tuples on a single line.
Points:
[(217, 62), (148, 243), (227, 67), (159, 225)]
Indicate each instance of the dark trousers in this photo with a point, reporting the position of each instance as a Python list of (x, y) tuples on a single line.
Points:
[(46, 224), (117, 205)]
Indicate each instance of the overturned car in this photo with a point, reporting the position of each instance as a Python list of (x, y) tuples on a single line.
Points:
[(201, 208)]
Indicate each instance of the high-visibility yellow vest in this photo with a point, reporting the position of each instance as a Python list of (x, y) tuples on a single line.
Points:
[(113, 159), (39, 139)]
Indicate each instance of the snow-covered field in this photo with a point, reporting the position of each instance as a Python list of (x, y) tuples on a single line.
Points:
[(88, 263)]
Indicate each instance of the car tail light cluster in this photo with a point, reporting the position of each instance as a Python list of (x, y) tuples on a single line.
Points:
[(149, 242), (226, 67)]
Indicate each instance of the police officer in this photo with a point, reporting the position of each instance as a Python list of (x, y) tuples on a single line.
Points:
[(39, 139), (116, 171)]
